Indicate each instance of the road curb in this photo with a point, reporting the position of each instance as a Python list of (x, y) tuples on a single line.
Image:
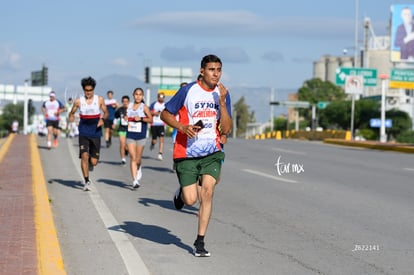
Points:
[(50, 261), (4, 147), (403, 148)]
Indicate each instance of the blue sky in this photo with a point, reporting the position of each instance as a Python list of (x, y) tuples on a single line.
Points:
[(261, 43)]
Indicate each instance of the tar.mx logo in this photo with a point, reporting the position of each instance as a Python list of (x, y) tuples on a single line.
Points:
[(287, 167)]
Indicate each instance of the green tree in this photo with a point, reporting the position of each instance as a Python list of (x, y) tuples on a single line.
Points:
[(365, 109), (241, 110), (337, 115), (13, 112), (280, 123), (401, 123), (315, 90), (406, 137)]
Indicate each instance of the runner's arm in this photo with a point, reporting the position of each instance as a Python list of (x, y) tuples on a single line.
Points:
[(74, 109)]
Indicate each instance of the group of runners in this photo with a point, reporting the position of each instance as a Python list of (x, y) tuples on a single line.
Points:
[(200, 112)]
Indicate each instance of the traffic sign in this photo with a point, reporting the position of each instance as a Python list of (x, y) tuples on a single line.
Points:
[(322, 104), (168, 89), (402, 79), (354, 84), (291, 104), (376, 123), (369, 75)]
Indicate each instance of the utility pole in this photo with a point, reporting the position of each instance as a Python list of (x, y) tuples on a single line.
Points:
[(271, 111), (25, 108), (355, 66), (383, 135)]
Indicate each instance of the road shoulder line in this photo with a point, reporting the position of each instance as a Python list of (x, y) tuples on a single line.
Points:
[(50, 259), (130, 256)]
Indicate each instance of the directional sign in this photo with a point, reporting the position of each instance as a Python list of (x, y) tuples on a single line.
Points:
[(291, 104), (37, 78), (322, 104), (369, 75), (402, 79), (168, 89), (376, 123)]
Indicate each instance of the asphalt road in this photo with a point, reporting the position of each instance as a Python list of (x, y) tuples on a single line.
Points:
[(282, 207)]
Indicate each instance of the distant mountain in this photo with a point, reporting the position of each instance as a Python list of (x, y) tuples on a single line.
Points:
[(119, 84)]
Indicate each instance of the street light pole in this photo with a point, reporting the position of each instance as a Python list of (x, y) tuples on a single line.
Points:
[(352, 115), (25, 108), (355, 66), (271, 111), (383, 135), (356, 33)]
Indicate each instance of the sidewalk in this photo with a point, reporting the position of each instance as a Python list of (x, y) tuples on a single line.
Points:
[(28, 241)]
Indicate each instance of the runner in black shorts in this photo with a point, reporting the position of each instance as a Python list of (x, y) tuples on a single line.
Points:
[(157, 131), (92, 113), (157, 126), (89, 145)]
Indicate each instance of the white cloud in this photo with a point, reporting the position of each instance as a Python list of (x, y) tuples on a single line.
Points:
[(244, 24), (121, 62), (273, 57), (230, 54), (9, 58), (179, 53)]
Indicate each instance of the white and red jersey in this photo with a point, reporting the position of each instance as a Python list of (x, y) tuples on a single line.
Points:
[(89, 115), (136, 129), (157, 107), (52, 108), (192, 103)]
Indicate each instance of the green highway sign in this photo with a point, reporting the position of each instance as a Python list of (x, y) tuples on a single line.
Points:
[(322, 104), (370, 75), (291, 104), (402, 78), (169, 87)]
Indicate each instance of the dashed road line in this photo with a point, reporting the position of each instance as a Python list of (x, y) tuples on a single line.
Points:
[(289, 151), (258, 173)]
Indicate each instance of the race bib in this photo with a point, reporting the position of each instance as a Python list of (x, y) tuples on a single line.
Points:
[(135, 127), (51, 113), (124, 122), (209, 125)]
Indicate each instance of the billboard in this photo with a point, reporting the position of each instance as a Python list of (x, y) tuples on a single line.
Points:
[(169, 79), (402, 33)]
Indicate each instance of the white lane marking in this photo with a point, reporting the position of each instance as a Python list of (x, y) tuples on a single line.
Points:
[(132, 260), (268, 175), (409, 169), (289, 151)]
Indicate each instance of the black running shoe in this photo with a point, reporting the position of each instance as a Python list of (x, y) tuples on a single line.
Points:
[(178, 202), (199, 250)]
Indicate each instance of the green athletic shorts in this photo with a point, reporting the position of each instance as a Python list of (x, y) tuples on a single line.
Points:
[(189, 170), (122, 133)]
